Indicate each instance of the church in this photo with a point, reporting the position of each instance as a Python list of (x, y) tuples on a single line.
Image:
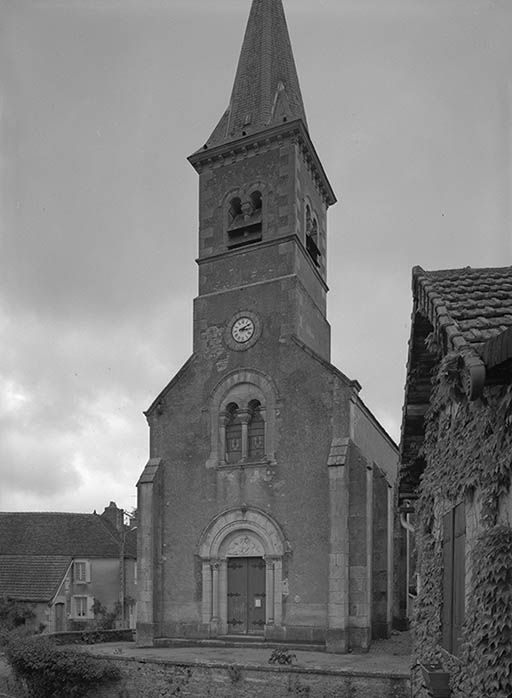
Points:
[(266, 506)]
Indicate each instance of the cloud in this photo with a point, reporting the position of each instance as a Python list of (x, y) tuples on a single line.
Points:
[(72, 432)]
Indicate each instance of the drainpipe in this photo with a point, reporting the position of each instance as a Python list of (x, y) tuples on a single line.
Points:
[(409, 528)]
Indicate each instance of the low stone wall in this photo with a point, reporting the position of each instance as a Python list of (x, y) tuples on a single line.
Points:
[(92, 637), (164, 679)]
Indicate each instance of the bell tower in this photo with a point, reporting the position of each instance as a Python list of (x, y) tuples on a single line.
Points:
[(263, 199), (265, 506)]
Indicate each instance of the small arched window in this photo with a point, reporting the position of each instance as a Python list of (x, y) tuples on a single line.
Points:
[(233, 434), (256, 201), (256, 431), (312, 237), (308, 219), (235, 209)]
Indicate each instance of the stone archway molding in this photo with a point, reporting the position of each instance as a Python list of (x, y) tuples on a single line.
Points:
[(262, 527), (266, 387), (240, 532)]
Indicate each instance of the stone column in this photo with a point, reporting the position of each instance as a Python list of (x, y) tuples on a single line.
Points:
[(207, 593), (278, 592), (223, 597), (222, 437), (270, 591), (215, 566), (245, 418)]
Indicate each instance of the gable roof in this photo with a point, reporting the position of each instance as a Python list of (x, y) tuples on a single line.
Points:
[(468, 311), (32, 577), (266, 88), (60, 534)]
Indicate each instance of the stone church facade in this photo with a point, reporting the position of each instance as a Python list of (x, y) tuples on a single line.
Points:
[(266, 506)]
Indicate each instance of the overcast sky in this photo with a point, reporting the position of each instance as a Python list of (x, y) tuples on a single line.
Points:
[(409, 104)]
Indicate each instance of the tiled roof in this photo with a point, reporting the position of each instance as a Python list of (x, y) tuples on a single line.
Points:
[(471, 305), (74, 535), (465, 310), (266, 88), (32, 577)]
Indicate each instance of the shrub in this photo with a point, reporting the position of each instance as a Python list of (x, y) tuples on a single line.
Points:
[(51, 672), (14, 613), (281, 655)]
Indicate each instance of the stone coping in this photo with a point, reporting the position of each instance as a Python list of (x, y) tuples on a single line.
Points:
[(307, 662)]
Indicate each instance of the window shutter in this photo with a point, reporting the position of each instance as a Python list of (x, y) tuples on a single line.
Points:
[(459, 575), (87, 572), (90, 604), (447, 608)]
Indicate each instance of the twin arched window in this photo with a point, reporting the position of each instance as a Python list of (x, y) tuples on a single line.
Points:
[(244, 432), (243, 411)]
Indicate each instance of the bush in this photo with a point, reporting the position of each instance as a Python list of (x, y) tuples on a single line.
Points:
[(51, 672), (14, 613), (281, 655), (7, 635)]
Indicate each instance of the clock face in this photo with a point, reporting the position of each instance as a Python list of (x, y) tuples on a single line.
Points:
[(242, 330)]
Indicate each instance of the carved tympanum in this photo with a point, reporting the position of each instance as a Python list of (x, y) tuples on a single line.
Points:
[(245, 546)]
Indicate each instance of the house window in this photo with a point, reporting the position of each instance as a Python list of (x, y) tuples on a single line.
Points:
[(454, 578), (80, 606), (82, 572)]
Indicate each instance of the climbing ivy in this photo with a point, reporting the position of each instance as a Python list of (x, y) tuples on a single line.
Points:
[(467, 449), (487, 651)]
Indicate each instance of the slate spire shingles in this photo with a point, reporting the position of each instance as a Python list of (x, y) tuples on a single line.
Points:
[(266, 90)]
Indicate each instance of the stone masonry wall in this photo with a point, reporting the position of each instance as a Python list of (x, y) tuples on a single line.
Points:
[(152, 679)]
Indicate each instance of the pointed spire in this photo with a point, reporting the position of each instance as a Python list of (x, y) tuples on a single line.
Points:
[(266, 89)]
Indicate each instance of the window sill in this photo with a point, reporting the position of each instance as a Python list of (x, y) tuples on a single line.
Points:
[(262, 463)]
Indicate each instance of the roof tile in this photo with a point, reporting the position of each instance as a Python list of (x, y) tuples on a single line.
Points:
[(46, 533), (32, 577)]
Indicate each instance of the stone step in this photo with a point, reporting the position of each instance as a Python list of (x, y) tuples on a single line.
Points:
[(249, 641)]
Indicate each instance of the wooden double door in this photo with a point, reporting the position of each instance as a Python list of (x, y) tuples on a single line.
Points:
[(246, 595)]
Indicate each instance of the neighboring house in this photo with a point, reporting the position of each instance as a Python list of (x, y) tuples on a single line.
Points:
[(72, 570), (455, 473)]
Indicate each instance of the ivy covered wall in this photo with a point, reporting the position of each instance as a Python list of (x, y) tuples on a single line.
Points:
[(468, 455)]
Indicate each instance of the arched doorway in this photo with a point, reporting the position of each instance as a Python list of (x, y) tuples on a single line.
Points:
[(242, 561)]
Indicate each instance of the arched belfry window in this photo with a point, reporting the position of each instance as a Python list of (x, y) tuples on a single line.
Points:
[(243, 420), (308, 219), (235, 209), (245, 219), (312, 237)]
